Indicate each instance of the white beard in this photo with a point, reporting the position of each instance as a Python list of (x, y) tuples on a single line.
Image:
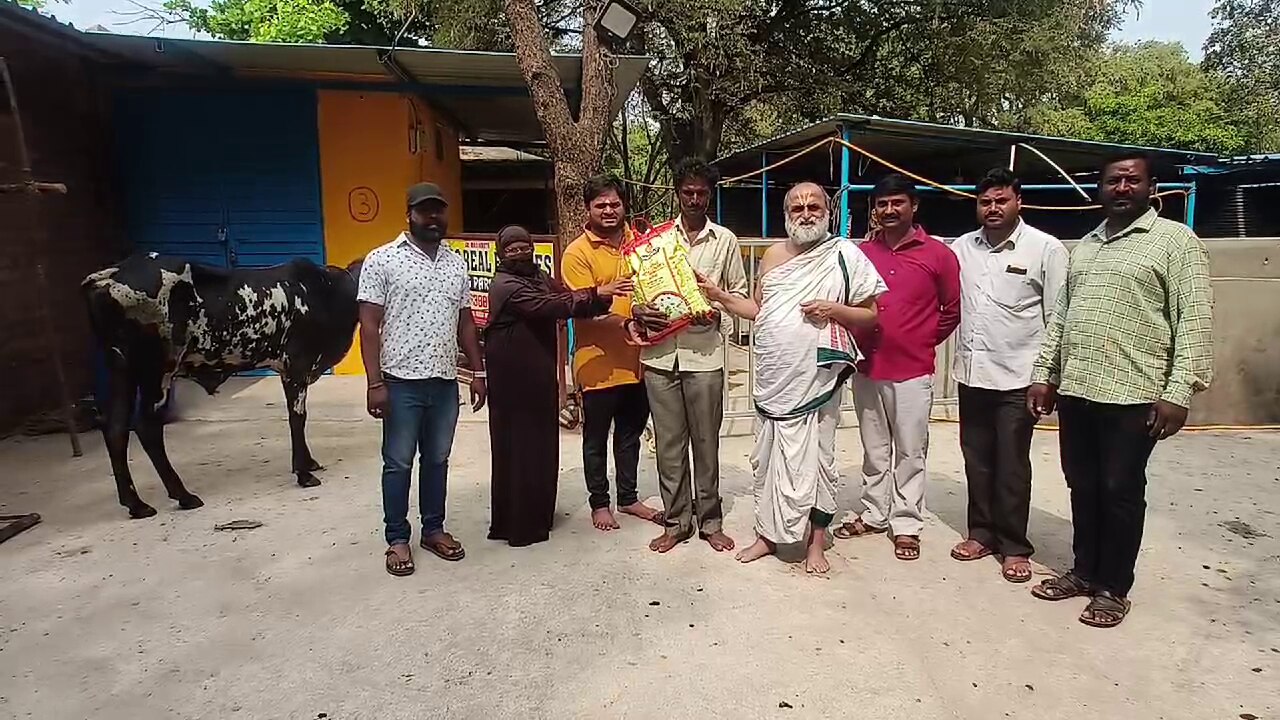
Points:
[(808, 235)]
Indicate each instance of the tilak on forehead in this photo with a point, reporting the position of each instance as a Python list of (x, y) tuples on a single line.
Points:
[(806, 192)]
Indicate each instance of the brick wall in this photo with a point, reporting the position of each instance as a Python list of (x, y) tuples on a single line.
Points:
[(72, 235)]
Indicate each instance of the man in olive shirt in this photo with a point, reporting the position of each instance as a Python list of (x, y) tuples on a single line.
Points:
[(684, 376), (1130, 343)]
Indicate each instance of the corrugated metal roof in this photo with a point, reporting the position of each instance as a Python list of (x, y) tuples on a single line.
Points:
[(485, 91), (44, 27), (908, 140), (484, 153), (1252, 159)]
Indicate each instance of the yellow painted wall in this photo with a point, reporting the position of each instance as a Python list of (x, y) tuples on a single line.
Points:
[(373, 146)]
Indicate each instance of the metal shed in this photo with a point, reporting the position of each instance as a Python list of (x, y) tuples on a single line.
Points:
[(848, 153)]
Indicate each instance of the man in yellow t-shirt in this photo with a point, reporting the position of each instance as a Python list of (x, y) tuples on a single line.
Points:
[(606, 367)]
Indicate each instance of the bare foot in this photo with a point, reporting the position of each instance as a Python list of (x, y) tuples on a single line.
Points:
[(758, 549), (719, 541), (815, 557), (667, 541), (642, 511), (603, 520)]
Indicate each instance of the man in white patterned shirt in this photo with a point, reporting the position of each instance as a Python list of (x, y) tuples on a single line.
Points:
[(415, 310)]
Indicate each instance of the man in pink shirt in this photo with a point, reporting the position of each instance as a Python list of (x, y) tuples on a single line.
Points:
[(893, 389)]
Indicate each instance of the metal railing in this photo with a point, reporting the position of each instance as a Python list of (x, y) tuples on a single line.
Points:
[(738, 358)]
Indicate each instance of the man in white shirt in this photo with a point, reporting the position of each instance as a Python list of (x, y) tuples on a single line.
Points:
[(415, 311), (1010, 278), (684, 376)]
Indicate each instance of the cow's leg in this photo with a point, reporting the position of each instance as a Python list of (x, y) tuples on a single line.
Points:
[(115, 432), (150, 432), (295, 394)]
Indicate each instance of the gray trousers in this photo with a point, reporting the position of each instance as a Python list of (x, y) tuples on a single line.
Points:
[(893, 419), (687, 409)]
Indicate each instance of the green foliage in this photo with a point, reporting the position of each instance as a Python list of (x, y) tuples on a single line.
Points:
[(643, 158), (1243, 52), (286, 21), (990, 69), (737, 69), (471, 24), (732, 72), (1151, 94), (37, 4)]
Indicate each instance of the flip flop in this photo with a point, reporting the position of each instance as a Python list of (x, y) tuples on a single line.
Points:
[(857, 528), (396, 567), (435, 549), (984, 551)]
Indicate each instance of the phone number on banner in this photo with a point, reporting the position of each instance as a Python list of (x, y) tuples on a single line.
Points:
[(482, 260)]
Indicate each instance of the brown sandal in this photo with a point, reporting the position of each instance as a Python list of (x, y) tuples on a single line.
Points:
[(1016, 569), (906, 547), (443, 546), (1063, 587), (964, 551), (1105, 610), (396, 566), (857, 528)]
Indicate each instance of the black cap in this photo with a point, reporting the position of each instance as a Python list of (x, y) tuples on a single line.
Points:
[(423, 192)]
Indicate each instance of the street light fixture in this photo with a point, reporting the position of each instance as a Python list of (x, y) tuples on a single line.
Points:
[(617, 20)]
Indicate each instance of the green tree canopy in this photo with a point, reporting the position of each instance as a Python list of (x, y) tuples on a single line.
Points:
[(729, 72), (290, 21), (1150, 94), (1244, 51)]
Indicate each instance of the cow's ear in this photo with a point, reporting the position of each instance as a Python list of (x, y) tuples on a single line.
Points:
[(353, 269)]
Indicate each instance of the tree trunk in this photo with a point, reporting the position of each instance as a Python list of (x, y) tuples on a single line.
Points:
[(571, 214), (576, 145)]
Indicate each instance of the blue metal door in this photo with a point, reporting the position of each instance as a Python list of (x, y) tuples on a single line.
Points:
[(229, 178)]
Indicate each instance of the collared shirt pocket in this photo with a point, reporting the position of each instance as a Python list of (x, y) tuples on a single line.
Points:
[(1014, 290)]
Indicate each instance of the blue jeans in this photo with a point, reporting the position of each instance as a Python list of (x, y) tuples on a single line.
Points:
[(421, 418)]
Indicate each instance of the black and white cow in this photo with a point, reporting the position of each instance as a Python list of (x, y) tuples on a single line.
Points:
[(159, 317)]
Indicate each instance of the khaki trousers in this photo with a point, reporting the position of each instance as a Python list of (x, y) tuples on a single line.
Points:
[(687, 409), (893, 419)]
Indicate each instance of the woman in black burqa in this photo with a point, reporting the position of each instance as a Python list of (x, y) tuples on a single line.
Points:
[(525, 306)]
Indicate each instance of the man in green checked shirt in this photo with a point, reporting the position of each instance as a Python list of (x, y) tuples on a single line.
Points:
[(1129, 344)]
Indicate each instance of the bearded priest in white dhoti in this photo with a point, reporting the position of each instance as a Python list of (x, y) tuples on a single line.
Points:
[(812, 290)]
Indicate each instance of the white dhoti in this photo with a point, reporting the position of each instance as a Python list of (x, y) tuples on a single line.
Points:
[(794, 464), (800, 369)]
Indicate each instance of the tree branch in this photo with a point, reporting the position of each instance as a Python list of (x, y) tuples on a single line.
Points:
[(598, 87), (533, 54)]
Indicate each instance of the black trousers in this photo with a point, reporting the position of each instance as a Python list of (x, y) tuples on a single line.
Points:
[(995, 439), (1104, 457), (626, 408)]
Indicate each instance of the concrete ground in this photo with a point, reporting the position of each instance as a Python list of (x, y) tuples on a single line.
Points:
[(104, 617)]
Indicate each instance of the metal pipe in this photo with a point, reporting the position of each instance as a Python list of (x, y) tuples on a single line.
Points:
[(764, 195), (847, 135), (34, 187), (751, 337), (1047, 186), (719, 207), (1190, 218), (42, 284)]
